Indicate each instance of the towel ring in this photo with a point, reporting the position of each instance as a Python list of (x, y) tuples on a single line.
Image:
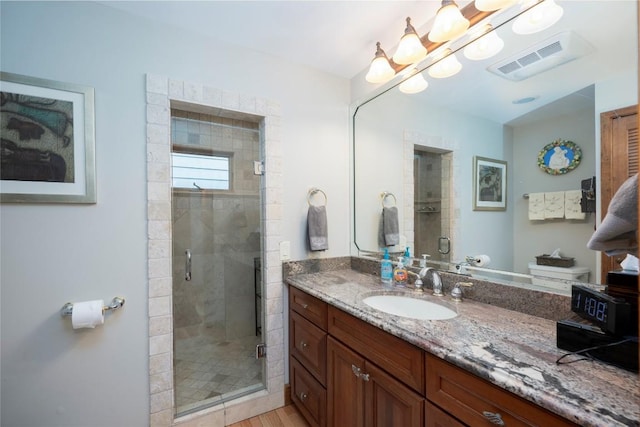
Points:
[(386, 194), (314, 191)]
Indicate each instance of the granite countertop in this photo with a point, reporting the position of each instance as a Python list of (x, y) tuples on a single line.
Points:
[(510, 349)]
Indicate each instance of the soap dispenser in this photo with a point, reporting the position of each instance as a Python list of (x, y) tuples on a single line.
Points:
[(400, 274), (407, 258), (386, 269)]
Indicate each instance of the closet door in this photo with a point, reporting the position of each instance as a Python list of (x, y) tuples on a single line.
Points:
[(619, 161)]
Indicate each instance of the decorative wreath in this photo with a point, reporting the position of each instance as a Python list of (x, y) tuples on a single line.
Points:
[(559, 157)]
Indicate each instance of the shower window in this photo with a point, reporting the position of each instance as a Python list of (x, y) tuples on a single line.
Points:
[(200, 171)]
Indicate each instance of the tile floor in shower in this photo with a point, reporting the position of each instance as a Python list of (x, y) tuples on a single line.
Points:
[(208, 367)]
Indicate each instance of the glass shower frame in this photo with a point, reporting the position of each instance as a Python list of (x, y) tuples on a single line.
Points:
[(217, 252)]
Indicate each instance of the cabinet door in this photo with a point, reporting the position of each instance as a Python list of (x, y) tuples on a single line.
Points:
[(435, 417), (389, 403), (345, 388)]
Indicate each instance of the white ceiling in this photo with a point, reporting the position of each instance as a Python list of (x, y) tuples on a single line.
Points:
[(339, 37)]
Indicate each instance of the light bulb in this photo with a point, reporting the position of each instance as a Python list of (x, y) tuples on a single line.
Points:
[(486, 46), (538, 18), (449, 23), (380, 70), (410, 50), (414, 84), (491, 5), (446, 67)]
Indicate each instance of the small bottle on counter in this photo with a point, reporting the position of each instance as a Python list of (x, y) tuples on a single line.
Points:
[(400, 274), (406, 261), (386, 270)]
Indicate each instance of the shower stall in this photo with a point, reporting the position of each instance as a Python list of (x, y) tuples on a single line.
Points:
[(432, 215), (217, 253)]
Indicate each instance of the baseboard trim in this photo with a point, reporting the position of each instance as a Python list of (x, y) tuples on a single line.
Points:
[(287, 394)]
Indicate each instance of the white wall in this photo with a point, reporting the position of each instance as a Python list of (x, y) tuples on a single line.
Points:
[(51, 254), (541, 237)]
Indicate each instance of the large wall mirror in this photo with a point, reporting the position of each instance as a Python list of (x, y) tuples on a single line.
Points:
[(420, 151)]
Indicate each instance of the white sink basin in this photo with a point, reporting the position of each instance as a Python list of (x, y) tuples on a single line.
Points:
[(413, 308)]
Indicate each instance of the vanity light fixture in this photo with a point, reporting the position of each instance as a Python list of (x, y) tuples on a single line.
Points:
[(449, 23), (410, 50), (380, 70), (490, 5), (537, 18), (446, 67), (414, 84), (486, 45)]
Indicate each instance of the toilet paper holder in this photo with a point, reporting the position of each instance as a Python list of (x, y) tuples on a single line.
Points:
[(116, 303)]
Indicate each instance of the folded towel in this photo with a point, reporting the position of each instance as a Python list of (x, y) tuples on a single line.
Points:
[(617, 234), (536, 206), (554, 205), (317, 228), (572, 208), (389, 230)]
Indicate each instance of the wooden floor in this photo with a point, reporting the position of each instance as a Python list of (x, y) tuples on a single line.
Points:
[(287, 416)]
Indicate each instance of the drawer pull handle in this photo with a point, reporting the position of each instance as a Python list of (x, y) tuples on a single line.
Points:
[(358, 373), (303, 396), (493, 417), (305, 306), (303, 345)]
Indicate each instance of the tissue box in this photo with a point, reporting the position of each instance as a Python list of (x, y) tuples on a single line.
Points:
[(555, 262)]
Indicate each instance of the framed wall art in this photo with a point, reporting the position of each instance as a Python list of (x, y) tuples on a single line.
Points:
[(489, 184), (559, 157), (48, 141)]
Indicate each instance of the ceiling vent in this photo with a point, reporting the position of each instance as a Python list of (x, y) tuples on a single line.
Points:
[(543, 56)]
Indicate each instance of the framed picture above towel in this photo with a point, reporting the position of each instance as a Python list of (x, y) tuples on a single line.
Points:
[(489, 184)]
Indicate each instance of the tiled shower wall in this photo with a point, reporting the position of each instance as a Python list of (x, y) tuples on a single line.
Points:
[(162, 94)]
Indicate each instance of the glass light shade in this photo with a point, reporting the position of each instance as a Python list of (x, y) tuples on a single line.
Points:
[(410, 50), (491, 5), (538, 18), (446, 67), (449, 23), (414, 84), (380, 70), (484, 47)]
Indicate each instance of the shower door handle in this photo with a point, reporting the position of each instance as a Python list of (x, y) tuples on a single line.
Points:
[(187, 265)]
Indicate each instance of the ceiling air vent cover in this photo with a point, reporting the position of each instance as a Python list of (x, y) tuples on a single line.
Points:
[(543, 56)]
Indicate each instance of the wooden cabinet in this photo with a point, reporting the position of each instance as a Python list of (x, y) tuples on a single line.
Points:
[(308, 350), (361, 394), (477, 402), (345, 372)]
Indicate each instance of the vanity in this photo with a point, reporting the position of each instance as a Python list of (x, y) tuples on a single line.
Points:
[(353, 365)]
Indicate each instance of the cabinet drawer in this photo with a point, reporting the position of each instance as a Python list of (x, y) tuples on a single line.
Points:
[(399, 358), (435, 417), (308, 344), (308, 395), (309, 307), (468, 397)]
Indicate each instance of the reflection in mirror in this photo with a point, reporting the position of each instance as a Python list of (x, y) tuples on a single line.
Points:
[(421, 147)]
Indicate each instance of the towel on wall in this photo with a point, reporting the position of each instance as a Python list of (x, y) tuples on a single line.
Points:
[(617, 234), (554, 205), (536, 206), (572, 207), (317, 228), (389, 230)]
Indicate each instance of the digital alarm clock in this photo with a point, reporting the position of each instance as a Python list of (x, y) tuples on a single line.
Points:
[(611, 314)]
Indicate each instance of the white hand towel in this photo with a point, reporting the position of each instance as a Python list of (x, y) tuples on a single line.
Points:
[(572, 208), (554, 205), (536, 206)]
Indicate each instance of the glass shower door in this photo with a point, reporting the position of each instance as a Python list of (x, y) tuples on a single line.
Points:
[(216, 250)]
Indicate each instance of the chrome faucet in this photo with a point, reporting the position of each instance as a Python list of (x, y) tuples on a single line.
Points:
[(435, 280), (456, 292)]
